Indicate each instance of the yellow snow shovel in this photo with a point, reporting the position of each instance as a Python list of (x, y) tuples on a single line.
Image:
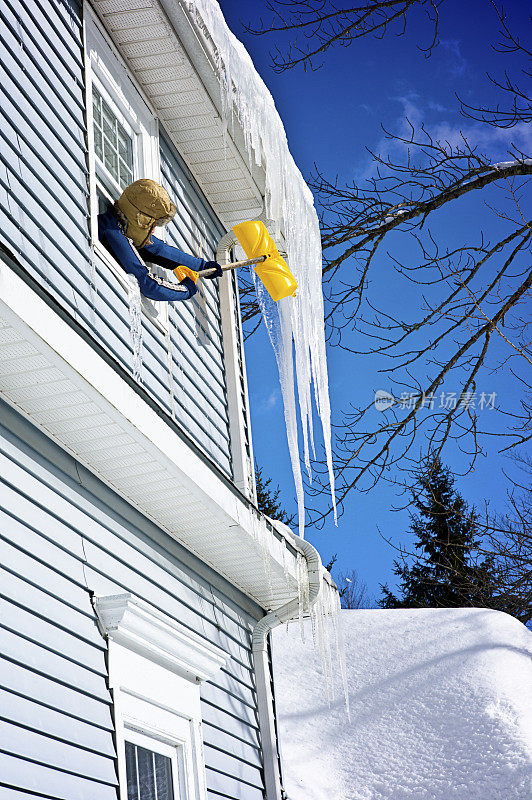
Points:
[(260, 249)]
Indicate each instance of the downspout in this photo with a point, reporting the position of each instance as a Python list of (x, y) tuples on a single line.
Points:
[(238, 407), (290, 610), (242, 461)]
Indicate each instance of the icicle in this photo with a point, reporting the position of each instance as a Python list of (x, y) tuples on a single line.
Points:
[(340, 647), (92, 273), (328, 641), (93, 291), (286, 573), (135, 325), (319, 635), (303, 591), (264, 539), (170, 366), (295, 325), (261, 535)]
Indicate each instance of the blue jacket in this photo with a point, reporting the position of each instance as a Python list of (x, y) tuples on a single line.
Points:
[(156, 251)]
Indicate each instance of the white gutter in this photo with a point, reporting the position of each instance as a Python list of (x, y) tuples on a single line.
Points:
[(289, 611)]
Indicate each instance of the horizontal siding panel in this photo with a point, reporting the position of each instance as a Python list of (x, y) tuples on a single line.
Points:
[(227, 787), (23, 46), (226, 682), (56, 239), (225, 762), (38, 747), (22, 774), (8, 793), (241, 711), (24, 514), (196, 230), (48, 124), (52, 722), (35, 166), (81, 515), (31, 36), (220, 717), (42, 601), (214, 738), (64, 20), (191, 388), (40, 574), (29, 80), (48, 634), (32, 137), (69, 700), (63, 42), (20, 650)]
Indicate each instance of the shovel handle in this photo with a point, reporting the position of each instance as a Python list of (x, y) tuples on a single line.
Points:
[(204, 273)]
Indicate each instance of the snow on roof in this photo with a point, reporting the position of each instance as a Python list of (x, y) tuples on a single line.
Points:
[(441, 709)]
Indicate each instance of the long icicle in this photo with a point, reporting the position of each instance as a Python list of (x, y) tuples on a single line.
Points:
[(296, 322), (135, 325)]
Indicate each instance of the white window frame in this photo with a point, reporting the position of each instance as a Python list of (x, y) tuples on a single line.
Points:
[(156, 667), (172, 748), (105, 69)]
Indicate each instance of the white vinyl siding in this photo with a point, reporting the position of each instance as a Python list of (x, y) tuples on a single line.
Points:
[(45, 223), (63, 537)]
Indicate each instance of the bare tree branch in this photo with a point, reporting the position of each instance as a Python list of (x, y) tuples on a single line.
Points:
[(317, 25)]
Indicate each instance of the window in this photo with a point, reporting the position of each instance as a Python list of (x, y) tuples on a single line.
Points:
[(156, 666), (150, 774), (113, 143), (123, 143)]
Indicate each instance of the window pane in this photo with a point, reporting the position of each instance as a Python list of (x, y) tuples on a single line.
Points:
[(149, 775), (126, 176), (124, 145), (110, 160), (146, 769), (97, 107), (98, 143), (109, 121), (131, 772), (163, 777), (112, 143)]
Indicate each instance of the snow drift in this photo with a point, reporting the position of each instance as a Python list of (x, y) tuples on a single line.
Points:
[(441, 709)]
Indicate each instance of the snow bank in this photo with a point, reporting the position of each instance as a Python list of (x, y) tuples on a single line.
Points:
[(295, 325), (441, 709)]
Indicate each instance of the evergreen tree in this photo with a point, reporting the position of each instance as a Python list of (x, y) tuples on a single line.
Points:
[(443, 573), (268, 499)]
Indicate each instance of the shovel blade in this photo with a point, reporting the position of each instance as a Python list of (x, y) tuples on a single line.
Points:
[(273, 272)]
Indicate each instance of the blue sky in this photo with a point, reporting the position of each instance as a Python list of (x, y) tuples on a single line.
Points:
[(331, 116)]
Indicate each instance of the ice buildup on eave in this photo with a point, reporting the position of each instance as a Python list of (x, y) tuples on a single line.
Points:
[(295, 325)]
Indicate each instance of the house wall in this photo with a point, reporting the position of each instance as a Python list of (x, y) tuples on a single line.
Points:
[(63, 536), (44, 221)]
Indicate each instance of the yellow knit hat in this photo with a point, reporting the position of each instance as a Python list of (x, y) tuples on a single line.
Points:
[(142, 206)]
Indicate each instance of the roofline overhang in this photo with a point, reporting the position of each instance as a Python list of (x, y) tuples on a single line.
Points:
[(62, 378), (179, 30)]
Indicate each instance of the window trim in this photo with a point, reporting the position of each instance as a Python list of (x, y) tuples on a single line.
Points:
[(151, 659), (134, 130), (125, 97), (152, 740)]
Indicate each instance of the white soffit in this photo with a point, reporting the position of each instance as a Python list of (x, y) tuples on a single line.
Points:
[(178, 77), (138, 626), (55, 378)]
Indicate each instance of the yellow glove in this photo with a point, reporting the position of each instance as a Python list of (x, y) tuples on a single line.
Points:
[(185, 272)]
